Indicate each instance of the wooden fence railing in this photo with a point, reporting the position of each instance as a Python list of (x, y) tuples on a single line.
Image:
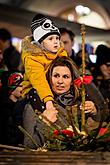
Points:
[(54, 158)]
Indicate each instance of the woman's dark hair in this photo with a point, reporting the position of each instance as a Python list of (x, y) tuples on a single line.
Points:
[(60, 61), (63, 61)]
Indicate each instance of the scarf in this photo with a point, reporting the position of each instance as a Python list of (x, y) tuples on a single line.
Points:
[(65, 99)]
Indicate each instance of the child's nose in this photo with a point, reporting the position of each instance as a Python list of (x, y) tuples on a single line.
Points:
[(55, 40)]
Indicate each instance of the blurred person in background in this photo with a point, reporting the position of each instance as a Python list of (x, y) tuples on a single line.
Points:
[(5, 38), (2, 65), (10, 93), (102, 74), (78, 61), (4, 44), (11, 55), (67, 37)]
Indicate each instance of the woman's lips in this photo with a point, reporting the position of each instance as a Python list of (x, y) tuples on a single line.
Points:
[(60, 87)]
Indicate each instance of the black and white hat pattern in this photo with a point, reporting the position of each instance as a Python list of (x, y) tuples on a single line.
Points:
[(42, 27)]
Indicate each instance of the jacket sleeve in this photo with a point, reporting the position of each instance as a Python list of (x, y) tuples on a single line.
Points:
[(99, 101), (36, 74)]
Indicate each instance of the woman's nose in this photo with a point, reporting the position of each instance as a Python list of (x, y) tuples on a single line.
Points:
[(60, 80)]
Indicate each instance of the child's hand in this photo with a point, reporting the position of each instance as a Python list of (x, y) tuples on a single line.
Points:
[(49, 116), (49, 105), (50, 113)]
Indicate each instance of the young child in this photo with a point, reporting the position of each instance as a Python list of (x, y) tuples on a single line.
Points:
[(38, 51)]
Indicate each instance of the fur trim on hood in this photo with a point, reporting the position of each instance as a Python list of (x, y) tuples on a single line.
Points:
[(28, 46)]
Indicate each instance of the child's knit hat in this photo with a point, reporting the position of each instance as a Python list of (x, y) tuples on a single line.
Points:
[(42, 27)]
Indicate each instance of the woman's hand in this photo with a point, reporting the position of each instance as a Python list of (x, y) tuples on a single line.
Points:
[(89, 107)]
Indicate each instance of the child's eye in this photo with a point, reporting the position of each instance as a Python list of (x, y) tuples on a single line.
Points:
[(50, 38), (58, 38)]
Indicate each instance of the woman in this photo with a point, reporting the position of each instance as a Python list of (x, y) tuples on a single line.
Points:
[(60, 76)]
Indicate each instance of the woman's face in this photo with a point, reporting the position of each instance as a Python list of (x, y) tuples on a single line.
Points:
[(61, 79)]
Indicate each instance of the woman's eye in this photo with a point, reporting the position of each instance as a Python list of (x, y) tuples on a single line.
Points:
[(65, 76), (56, 75)]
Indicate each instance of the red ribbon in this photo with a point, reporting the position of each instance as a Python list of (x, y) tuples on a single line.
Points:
[(83, 80)]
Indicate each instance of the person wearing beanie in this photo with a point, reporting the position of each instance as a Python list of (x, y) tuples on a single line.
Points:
[(102, 77), (103, 54), (38, 51), (10, 93), (10, 80)]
